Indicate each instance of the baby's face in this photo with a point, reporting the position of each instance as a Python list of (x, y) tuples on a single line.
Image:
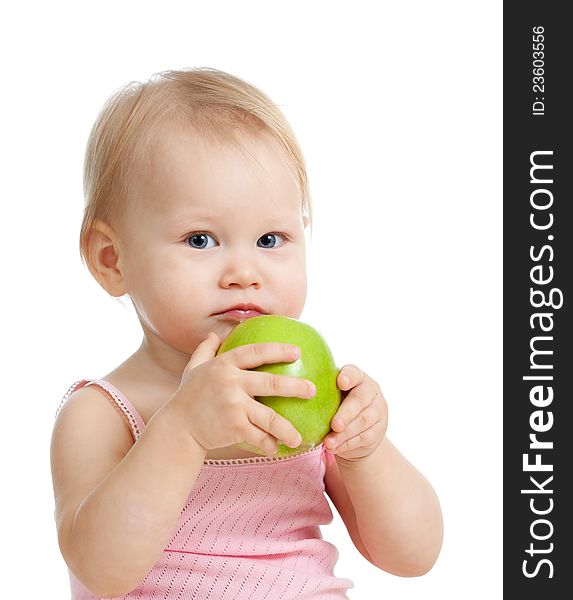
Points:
[(213, 229)]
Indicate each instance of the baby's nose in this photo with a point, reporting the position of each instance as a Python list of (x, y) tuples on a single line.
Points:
[(241, 272)]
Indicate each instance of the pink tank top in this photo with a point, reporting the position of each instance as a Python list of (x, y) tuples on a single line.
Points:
[(249, 530)]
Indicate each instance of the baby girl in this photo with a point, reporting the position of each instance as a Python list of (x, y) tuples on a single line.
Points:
[(197, 202)]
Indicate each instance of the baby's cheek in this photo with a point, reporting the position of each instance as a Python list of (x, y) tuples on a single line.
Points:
[(294, 297), (174, 317)]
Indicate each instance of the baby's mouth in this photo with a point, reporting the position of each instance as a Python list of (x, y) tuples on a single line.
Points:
[(240, 312), (239, 315)]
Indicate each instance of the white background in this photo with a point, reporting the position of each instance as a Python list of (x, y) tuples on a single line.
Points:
[(397, 106)]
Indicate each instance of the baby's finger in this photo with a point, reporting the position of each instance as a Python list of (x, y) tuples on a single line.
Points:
[(206, 350), (368, 440), (350, 408), (363, 421), (250, 356), (271, 422), (257, 440), (259, 383), (349, 376)]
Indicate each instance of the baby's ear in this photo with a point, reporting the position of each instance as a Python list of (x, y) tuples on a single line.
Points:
[(104, 261)]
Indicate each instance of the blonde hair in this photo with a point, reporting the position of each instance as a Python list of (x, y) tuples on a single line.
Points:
[(211, 101)]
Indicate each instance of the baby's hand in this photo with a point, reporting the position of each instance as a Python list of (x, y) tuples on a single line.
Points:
[(359, 426), (215, 399)]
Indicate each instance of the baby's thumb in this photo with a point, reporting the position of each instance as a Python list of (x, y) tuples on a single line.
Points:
[(205, 350)]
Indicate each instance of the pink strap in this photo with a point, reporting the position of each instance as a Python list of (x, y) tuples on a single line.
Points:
[(136, 423), (327, 456)]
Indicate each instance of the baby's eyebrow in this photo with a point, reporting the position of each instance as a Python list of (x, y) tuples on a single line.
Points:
[(190, 212), (178, 219), (208, 218)]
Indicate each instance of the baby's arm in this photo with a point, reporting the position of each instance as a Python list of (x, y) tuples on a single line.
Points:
[(390, 508), (117, 503)]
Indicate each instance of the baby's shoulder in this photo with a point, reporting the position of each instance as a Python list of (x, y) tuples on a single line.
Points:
[(88, 441), (89, 417)]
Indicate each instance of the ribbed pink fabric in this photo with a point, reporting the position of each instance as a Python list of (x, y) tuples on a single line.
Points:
[(249, 530)]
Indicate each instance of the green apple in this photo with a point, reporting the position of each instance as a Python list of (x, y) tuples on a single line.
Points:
[(311, 417)]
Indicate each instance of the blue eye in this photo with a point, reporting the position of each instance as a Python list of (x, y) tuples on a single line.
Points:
[(201, 239), (268, 239)]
